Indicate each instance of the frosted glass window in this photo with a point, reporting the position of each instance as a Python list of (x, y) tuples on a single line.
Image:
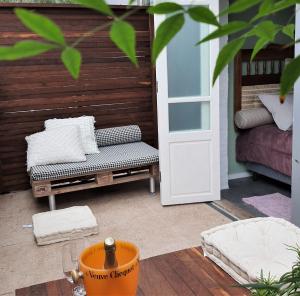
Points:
[(188, 65), (189, 116)]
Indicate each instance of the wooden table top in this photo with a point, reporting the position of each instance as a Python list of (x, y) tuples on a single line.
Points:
[(183, 273)]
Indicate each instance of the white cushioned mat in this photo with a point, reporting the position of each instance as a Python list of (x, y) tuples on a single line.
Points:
[(110, 158), (245, 248), (66, 224)]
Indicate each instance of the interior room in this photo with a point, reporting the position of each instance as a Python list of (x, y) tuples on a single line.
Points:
[(249, 174), (149, 147)]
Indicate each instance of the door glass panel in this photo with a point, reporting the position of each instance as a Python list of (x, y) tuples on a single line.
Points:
[(188, 65), (189, 116)]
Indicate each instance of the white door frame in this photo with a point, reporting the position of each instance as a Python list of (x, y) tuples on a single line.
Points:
[(296, 135), (165, 137)]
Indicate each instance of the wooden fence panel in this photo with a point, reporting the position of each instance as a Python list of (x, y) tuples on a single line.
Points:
[(109, 88)]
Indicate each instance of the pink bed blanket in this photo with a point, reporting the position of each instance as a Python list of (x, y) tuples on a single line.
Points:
[(266, 145)]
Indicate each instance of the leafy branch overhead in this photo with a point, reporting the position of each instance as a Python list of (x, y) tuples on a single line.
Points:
[(165, 33), (123, 34), (71, 58), (41, 25)]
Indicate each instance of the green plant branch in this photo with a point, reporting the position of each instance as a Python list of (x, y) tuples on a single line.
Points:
[(104, 26), (123, 34)]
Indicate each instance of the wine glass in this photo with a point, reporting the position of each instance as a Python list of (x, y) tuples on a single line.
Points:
[(67, 264), (70, 261)]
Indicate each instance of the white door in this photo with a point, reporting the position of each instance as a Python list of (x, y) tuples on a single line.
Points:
[(188, 115), (296, 136)]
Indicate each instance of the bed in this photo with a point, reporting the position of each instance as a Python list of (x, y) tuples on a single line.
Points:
[(264, 149)]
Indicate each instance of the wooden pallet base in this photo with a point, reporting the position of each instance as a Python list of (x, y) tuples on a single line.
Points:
[(99, 179)]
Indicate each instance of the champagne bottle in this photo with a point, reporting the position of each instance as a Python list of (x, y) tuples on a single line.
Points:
[(110, 253)]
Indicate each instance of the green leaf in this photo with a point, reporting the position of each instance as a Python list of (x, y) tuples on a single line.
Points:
[(24, 49), (289, 76), (289, 30), (239, 6), (71, 58), (226, 55), (165, 33), (283, 4), (259, 286), (227, 29), (41, 25), (258, 46), (265, 7), (123, 35), (203, 14), (98, 5), (165, 8), (277, 6), (265, 30)]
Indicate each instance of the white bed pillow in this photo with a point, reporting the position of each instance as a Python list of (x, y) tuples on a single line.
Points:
[(87, 130), (282, 113), (250, 118), (59, 145)]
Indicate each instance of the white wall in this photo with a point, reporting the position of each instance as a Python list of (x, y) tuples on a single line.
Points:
[(296, 137), (224, 110)]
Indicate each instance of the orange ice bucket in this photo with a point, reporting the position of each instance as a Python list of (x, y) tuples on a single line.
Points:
[(122, 280)]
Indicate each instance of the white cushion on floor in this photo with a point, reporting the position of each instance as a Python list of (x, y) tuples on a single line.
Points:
[(66, 224), (246, 247)]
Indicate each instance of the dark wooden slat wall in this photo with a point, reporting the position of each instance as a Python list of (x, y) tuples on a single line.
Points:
[(33, 90)]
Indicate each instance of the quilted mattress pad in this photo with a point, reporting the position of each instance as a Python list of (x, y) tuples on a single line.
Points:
[(245, 248)]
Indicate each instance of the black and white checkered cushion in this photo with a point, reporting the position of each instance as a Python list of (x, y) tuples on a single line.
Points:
[(110, 158), (118, 135)]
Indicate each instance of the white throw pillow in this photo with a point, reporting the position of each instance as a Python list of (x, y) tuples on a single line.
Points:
[(58, 145), (282, 113), (87, 130)]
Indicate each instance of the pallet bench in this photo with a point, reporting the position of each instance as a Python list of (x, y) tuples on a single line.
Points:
[(123, 157)]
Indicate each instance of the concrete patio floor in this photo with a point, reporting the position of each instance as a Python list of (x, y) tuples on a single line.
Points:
[(124, 211)]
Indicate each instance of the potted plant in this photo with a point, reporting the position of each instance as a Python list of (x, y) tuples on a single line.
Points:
[(287, 285)]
